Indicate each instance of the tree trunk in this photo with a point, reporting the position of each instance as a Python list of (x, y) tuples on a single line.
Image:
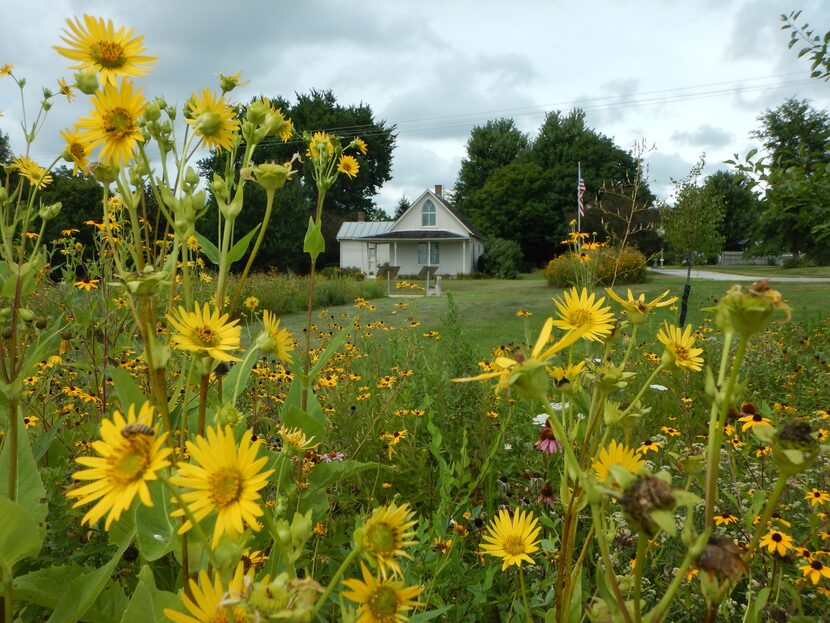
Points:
[(684, 302)]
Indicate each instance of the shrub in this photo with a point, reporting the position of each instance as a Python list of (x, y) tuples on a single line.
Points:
[(566, 269), (796, 261), (501, 258)]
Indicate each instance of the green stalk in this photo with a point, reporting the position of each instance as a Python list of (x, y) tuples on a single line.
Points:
[(642, 543), (195, 525), (269, 204), (203, 390), (524, 594), (659, 611), (8, 599), (599, 526), (769, 507), (334, 580)]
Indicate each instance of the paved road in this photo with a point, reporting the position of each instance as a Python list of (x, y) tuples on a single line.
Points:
[(717, 276)]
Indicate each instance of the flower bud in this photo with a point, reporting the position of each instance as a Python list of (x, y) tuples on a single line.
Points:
[(48, 212), (228, 415), (749, 312), (257, 112), (104, 173), (191, 177), (86, 83)]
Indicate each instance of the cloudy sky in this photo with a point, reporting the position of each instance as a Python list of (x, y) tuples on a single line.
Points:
[(688, 77)]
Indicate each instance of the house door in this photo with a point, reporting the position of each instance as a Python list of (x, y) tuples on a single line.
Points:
[(372, 253)]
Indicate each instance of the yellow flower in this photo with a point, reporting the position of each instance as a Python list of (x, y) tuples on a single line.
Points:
[(97, 46), (295, 438), (566, 374), (816, 497), (75, 151), (251, 302), (348, 165), (752, 420), (65, 90), (679, 347), (87, 284), (273, 340), (644, 448), (227, 479), (32, 171), (777, 542), (6, 70), (524, 314), (512, 538), (229, 83), (579, 310), (207, 604), (113, 122), (130, 453), (815, 570), (320, 146), (385, 534), (212, 119), (637, 309), (725, 519), (361, 145), (205, 332), (616, 454), (381, 600)]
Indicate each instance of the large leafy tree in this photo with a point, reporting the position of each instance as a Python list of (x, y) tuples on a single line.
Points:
[(314, 111), (5, 148), (742, 208)]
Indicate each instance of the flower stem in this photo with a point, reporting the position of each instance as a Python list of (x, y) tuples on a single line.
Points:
[(203, 391), (642, 543), (334, 580), (524, 594), (599, 526), (769, 507), (269, 204)]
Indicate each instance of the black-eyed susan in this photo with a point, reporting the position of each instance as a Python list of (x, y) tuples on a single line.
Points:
[(212, 119), (204, 332), (580, 310), (671, 432), (207, 602), (113, 122), (32, 171), (679, 345), (75, 151), (752, 420), (512, 537), (226, 478), (87, 284), (130, 454), (777, 542), (251, 302), (98, 47), (649, 446), (637, 309), (380, 599), (385, 535), (817, 497), (724, 519), (348, 165), (616, 454), (814, 570), (273, 340)]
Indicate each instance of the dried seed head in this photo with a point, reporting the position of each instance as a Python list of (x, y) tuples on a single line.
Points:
[(721, 559), (644, 496)]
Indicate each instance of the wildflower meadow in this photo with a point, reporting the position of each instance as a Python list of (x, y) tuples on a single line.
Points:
[(172, 452)]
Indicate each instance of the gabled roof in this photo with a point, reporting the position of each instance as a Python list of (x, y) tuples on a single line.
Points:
[(466, 222), (351, 230), (418, 234)]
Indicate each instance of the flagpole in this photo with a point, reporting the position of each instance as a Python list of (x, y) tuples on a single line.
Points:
[(578, 211)]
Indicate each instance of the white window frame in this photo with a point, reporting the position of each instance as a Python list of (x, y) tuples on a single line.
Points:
[(434, 252), (428, 213)]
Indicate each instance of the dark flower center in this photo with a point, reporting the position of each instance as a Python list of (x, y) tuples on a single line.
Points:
[(109, 54)]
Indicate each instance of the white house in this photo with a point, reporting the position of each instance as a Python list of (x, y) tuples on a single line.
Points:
[(430, 233)]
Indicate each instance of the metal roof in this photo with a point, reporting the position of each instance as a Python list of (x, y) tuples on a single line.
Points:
[(351, 230), (419, 234)]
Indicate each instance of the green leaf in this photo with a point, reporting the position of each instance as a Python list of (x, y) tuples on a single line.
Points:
[(85, 589), (295, 417), (314, 243), (577, 601), (208, 248), (331, 349), (328, 474), (755, 606), (422, 617), (621, 475), (237, 377), (44, 441), (764, 433), (30, 492), (21, 535), (127, 390), (148, 603), (665, 519), (238, 250), (154, 530)]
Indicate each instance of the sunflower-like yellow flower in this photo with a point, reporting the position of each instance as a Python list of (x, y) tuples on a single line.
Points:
[(130, 453), (679, 345), (296, 439), (65, 90), (637, 309), (32, 171), (97, 46), (206, 605), (528, 373), (229, 83), (361, 145), (512, 537), (113, 122), (382, 600), (320, 147), (580, 310), (348, 165), (776, 542), (616, 454), (814, 570), (75, 151), (206, 333), (226, 479), (212, 119), (385, 534), (6, 70), (273, 340)]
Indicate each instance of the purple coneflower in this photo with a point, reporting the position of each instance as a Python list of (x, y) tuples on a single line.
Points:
[(548, 443)]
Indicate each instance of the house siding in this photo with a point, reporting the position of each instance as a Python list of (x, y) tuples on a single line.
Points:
[(443, 219)]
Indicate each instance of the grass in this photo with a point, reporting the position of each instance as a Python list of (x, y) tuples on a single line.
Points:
[(488, 306), (766, 271)]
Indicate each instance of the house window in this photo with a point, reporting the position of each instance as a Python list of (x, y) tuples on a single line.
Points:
[(428, 214), (373, 251), (432, 249)]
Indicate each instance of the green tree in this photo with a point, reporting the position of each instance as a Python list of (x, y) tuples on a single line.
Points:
[(692, 226), (491, 146), (403, 205), (742, 208), (314, 111), (5, 148), (816, 44)]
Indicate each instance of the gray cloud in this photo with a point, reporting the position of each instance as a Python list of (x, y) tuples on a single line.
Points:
[(705, 136)]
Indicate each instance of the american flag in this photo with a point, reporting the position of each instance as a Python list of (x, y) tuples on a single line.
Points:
[(580, 194)]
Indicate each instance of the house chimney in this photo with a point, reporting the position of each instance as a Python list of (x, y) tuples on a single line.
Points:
[(361, 216), (439, 190)]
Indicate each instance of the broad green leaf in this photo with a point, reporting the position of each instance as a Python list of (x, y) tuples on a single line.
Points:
[(295, 417), (148, 603), (756, 605), (208, 248), (577, 601), (237, 379), (314, 243), (238, 250), (44, 440), (154, 530), (85, 589), (423, 617), (21, 535), (127, 390), (665, 519), (30, 492), (328, 474), (621, 475)]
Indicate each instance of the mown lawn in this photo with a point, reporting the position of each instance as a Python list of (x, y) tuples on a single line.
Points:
[(767, 271)]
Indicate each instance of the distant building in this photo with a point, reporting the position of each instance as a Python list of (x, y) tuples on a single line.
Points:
[(430, 233)]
